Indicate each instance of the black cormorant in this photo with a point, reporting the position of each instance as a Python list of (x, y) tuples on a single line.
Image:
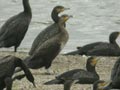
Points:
[(46, 53), (49, 32), (7, 68), (82, 76), (100, 48), (14, 30)]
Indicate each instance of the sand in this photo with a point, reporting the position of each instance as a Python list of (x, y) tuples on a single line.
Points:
[(61, 64)]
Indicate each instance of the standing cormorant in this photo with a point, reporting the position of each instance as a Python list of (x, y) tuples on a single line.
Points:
[(46, 53), (82, 76), (100, 48), (7, 68), (50, 31), (14, 30)]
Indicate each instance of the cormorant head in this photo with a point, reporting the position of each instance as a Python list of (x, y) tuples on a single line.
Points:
[(91, 63), (64, 18), (101, 85), (56, 10), (59, 9), (113, 36)]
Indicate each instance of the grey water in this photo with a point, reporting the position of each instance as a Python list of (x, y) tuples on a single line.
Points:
[(93, 20)]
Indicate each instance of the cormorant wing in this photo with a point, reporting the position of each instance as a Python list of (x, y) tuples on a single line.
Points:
[(75, 74), (13, 28), (88, 47), (49, 48), (102, 49), (46, 34)]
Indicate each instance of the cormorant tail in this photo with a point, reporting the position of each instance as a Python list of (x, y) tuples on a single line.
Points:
[(73, 53), (54, 81)]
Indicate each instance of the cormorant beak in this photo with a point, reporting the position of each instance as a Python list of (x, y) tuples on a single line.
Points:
[(66, 8), (94, 61), (97, 58)]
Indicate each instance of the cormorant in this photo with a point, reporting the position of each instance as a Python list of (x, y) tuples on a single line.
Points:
[(88, 76), (7, 68), (101, 85), (49, 32), (45, 54), (100, 48), (15, 28)]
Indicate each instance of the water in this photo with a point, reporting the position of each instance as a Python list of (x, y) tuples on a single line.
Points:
[(93, 20)]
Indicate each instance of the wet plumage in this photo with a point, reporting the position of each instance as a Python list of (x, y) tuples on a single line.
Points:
[(15, 28), (82, 76), (7, 68)]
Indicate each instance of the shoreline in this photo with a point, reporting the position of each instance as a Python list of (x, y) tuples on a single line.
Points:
[(61, 64)]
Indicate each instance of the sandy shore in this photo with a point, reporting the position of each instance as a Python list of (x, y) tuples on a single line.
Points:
[(60, 65)]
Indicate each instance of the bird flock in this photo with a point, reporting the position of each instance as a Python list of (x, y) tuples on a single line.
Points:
[(46, 46)]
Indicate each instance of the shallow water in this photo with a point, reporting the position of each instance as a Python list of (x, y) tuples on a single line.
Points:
[(93, 20)]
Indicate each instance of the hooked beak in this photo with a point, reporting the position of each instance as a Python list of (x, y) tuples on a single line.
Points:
[(66, 8), (97, 58)]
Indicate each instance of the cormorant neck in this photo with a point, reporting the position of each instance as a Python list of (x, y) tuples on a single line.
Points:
[(113, 41), (26, 5), (55, 16), (90, 68), (61, 25)]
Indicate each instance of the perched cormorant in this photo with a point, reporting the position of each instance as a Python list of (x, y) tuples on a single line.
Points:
[(45, 54), (101, 85), (49, 32), (14, 30), (7, 68), (101, 48), (88, 76)]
